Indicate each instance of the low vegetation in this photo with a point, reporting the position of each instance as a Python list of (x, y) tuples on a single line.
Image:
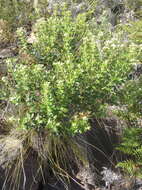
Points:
[(66, 72)]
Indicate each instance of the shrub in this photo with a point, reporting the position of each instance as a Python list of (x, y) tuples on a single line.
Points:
[(67, 79)]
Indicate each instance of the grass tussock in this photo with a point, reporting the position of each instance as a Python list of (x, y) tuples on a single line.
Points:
[(56, 154)]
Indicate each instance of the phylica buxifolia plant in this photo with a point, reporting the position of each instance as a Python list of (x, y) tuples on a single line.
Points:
[(69, 80)]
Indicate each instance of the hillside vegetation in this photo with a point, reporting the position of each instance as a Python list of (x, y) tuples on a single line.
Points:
[(70, 94)]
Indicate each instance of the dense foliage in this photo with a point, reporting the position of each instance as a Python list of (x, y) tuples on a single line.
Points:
[(71, 69), (63, 79)]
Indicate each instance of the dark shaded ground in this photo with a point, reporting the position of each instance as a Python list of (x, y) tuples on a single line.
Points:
[(98, 143)]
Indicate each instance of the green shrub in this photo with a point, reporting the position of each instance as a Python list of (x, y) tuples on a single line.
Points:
[(63, 78)]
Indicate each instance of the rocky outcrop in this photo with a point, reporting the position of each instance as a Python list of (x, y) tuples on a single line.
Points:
[(18, 171)]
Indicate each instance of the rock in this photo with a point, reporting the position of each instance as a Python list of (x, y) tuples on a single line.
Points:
[(87, 178), (27, 173), (137, 71), (3, 68), (9, 150), (6, 36), (6, 53), (75, 8)]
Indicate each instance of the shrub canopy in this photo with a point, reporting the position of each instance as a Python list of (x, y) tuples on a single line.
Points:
[(67, 75)]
